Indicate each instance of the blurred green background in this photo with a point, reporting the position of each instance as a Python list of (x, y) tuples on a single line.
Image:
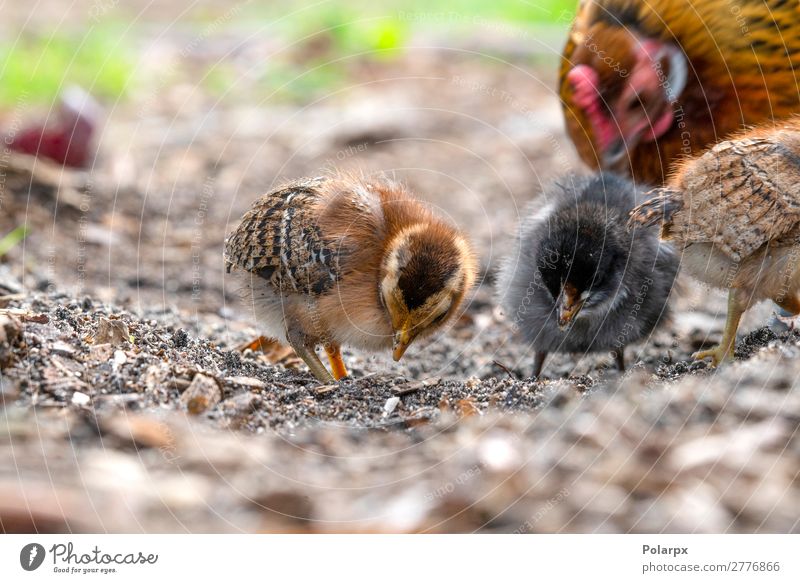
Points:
[(313, 43)]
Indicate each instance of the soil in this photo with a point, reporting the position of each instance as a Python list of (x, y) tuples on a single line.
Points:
[(128, 406)]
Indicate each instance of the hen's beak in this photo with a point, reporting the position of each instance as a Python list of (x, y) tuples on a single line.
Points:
[(402, 338), (569, 306)]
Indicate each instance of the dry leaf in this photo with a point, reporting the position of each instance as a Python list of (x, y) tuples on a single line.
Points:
[(467, 407), (203, 393)]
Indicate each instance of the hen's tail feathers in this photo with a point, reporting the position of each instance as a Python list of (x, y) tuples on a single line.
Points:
[(658, 209)]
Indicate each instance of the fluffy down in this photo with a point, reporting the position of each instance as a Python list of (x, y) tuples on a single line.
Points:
[(578, 236)]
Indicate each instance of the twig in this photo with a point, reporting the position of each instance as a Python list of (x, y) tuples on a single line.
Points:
[(505, 368)]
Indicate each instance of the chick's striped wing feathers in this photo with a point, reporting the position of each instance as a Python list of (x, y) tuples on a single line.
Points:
[(739, 196), (280, 241)]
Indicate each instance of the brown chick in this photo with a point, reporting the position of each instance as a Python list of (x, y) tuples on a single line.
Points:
[(735, 214), (348, 261)]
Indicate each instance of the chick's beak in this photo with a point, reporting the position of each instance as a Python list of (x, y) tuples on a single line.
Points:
[(569, 306), (402, 338)]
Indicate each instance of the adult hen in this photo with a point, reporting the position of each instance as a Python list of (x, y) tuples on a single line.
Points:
[(644, 83), (735, 214), (579, 280)]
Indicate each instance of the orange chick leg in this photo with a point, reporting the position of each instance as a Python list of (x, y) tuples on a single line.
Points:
[(334, 353), (256, 345)]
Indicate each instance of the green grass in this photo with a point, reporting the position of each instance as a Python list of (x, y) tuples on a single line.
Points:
[(34, 69), (289, 83), (378, 28), (13, 239), (522, 11), (382, 26), (511, 10)]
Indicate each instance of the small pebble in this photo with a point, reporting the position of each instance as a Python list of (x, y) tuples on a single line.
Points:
[(62, 349), (119, 359), (80, 399), (390, 406)]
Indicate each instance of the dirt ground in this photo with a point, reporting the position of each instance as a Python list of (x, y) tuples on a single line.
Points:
[(127, 407)]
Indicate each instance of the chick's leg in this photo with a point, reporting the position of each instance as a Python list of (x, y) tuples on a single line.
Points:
[(334, 353), (619, 357), (309, 356), (724, 351), (538, 363), (313, 362), (256, 345)]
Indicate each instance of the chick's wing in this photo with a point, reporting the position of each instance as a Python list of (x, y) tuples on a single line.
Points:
[(280, 241), (740, 195)]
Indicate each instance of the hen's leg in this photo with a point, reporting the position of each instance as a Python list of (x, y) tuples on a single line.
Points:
[(619, 356), (724, 351), (309, 355), (538, 363), (334, 353)]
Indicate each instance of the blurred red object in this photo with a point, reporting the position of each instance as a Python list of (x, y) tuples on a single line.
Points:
[(70, 140)]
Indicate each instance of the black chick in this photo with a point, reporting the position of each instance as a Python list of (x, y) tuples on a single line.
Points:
[(579, 280)]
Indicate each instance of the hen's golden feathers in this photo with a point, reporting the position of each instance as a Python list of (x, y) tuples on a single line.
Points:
[(646, 83)]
